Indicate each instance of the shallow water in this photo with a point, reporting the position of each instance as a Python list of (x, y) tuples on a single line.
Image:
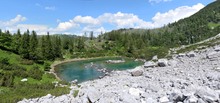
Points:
[(88, 69)]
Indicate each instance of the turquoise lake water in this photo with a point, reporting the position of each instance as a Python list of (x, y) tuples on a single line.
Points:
[(88, 69)]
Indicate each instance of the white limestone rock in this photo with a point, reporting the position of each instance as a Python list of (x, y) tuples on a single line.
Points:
[(149, 64), (162, 62), (164, 99), (138, 71), (135, 92)]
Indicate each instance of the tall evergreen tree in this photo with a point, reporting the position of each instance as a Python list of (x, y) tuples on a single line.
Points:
[(33, 45), (49, 49), (57, 49), (25, 45), (16, 41), (91, 35), (43, 47)]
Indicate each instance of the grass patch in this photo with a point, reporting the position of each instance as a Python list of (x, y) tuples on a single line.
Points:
[(12, 95), (213, 25), (76, 92)]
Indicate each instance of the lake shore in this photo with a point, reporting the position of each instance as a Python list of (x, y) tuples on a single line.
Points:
[(53, 66)]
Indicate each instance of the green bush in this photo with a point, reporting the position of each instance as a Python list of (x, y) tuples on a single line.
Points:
[(27, 62), (46, 66), (4, 61), (35, 73)]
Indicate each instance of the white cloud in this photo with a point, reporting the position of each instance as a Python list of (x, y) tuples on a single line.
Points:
[(171, 16), (63, 26), (86, 20), (158, 1), (11, 22), (50, 8)]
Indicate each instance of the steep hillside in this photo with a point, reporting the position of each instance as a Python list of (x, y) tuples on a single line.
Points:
[(200, 26)]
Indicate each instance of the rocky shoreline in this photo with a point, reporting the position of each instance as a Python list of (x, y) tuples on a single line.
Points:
[(192, 77)]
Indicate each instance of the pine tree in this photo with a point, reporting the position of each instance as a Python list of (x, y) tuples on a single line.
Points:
[(17, 41), (24, 48), (57, 47), (49, 49), (91, 35), (43, 47), (33, 46)]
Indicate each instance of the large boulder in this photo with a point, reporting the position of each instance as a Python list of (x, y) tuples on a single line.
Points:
[(172, 63), (213, 55), (217, 49), (155, 58), (93, 94), (149, 64), (162, 62), (138, 71), (191, 99), (207, 94), (180, 55)]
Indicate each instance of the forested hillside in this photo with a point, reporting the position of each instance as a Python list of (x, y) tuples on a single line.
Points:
[(141, 42)]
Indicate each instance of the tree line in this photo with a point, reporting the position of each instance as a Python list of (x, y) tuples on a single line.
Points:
[(31, 46)]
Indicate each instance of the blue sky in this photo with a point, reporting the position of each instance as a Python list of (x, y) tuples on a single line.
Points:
[(79, 16)]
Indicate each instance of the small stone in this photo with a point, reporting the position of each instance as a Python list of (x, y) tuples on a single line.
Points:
[(135, 92), (164, 99), (24, 80)]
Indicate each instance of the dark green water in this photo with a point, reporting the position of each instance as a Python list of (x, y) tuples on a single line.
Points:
[(88, 69)]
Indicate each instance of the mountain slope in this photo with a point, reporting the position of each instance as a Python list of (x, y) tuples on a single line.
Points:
[(198, 27)]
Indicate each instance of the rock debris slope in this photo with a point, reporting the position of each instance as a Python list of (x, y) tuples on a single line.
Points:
[(192, 78)]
